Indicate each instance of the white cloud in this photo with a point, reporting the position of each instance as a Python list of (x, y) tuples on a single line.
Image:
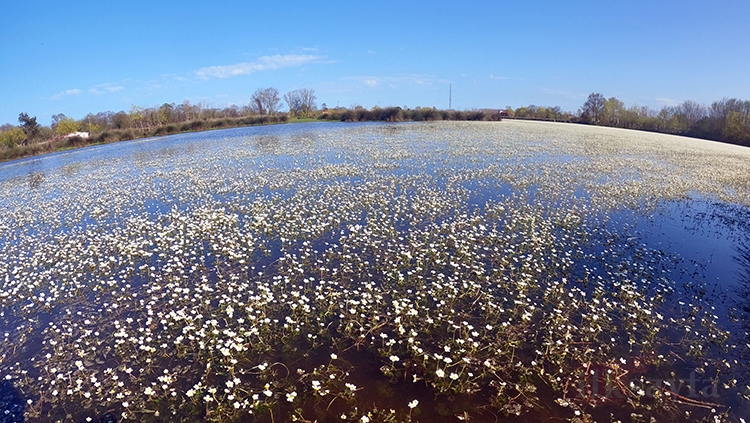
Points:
[(106, 88), (74, 91), (370, 82), (498, 77), (277, 61)]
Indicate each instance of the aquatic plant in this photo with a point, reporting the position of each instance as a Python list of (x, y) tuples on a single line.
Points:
[(408, 272)]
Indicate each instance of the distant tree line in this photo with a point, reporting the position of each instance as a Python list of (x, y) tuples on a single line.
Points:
[(726, 120), (397, 114), (554, 113)]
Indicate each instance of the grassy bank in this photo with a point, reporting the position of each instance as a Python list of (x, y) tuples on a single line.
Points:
[(115, 135)]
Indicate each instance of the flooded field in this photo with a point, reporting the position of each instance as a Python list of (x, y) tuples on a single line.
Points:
[(448, 271)]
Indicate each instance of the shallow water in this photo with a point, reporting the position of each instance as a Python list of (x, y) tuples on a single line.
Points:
[(265, 219)]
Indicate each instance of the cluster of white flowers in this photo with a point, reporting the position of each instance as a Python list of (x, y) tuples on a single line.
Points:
[(458, 254)]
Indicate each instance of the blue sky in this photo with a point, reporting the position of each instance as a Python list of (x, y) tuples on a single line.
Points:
[(78, 57)]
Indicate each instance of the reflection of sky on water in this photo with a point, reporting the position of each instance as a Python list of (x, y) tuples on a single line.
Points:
[(702, 233), (742, 259), (706, 237)]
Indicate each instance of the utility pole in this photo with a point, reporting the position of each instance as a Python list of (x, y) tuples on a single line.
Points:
[(450, 96)]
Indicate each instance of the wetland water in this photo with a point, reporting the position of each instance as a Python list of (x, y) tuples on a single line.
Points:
[(440, 271)]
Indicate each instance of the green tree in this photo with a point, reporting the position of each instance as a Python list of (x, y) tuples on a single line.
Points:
[(29, 126), (136, 116), (12, 136), (67, 125), (737, 128), (612, 111), (165, 114)]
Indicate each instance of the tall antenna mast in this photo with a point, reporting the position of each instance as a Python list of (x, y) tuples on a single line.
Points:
[(450, 96)]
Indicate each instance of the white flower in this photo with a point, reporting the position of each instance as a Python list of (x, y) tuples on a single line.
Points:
[(413, 404), (290, 396), (334, 356), (394, 358), (439, 373), (453, 376)]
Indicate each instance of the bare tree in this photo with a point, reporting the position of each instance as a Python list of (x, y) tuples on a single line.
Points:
[(691, 112), (301, 102), (308, 100), (266, 100), (294, 102)]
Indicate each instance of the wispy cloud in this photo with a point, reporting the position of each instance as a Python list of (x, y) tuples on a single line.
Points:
[(667, 101), (567, 94), (106, 89), (498, 77), (393, 81), (173, 77), (264, 63), (74, 91)]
